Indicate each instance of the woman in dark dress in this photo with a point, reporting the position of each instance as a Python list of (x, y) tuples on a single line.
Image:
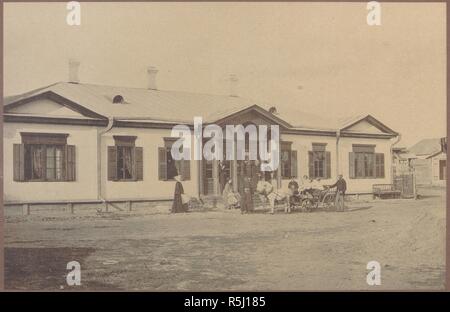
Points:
[(178, 205)]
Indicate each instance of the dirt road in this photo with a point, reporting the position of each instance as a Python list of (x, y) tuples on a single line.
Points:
[(224, 250)]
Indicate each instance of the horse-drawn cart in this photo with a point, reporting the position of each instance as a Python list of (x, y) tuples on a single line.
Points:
[(314, 199)]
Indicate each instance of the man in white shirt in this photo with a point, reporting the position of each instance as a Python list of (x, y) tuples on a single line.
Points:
[(305, 183)]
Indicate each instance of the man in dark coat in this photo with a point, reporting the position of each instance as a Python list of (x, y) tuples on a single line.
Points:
[(341, 187), (223, 178), (247, 197), (177, 205)]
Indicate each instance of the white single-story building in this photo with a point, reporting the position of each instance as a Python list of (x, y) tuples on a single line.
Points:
[(401, 160), (77, 142), (430, 164)]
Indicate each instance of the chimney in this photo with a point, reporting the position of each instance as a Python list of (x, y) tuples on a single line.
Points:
[(151, 76), (233, 82), (73, 71), (444, 145), (273, 110)]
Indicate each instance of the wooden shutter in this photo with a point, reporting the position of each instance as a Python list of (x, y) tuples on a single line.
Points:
[(70, 162), (351, 164), (185, 169), (162, 163), (379, 165), (112, 163), (19, 162), (294, 171), (327, 165), (138, 166), (311, 164)]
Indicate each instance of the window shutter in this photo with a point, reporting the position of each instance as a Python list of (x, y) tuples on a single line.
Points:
[(70, 162), (294, 171), (185, 169), (162, 163), (379, 165), (19, 162), (138, 164), (351, 164), (311, 164), (112, 163), (327, 165)]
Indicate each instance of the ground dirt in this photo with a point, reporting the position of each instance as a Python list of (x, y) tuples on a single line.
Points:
[(224, 250)]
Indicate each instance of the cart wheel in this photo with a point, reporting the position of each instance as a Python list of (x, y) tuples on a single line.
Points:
[(328, 202)]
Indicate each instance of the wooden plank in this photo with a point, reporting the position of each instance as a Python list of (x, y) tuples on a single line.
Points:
[(70, 207), (26, 209)]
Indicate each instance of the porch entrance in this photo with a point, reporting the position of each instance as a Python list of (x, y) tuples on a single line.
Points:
[(214, 174), (217, 173)]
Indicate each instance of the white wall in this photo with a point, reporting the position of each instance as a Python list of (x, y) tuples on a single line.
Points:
[(303, 144), (150, 186), (364, 185), (435, 169), (44, 107), (84, 187)]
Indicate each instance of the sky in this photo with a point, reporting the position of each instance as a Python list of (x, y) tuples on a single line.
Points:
[(319, 58)]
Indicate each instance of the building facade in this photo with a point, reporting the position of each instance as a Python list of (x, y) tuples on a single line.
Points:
[(77, 142), (430, 164)]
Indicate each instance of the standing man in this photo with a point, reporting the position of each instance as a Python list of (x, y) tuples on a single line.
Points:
[(341, 187), (223, 176), (247, 197)]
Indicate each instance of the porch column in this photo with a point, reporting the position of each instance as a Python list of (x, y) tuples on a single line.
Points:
[(279, 172), (338, 136), (234, 168), (200, 174)]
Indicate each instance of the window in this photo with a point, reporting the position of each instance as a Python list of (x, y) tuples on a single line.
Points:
[(168, 168), (365, 163), (319, 161), (442, 169), (44, 157), (125, 160), (54, 162), (288, 160)]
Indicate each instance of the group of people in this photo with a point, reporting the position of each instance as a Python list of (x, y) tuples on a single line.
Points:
[(267, 191)]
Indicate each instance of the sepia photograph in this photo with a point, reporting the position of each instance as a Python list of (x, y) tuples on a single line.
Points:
[(224, 146)]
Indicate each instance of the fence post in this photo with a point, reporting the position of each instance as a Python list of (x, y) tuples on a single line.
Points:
[(26, 209)]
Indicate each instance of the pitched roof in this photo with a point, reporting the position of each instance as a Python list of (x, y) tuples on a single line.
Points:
[(426, 147), (143, 103), (172, 106)]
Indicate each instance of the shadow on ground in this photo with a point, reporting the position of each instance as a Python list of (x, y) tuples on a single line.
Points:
[(44, 268)]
